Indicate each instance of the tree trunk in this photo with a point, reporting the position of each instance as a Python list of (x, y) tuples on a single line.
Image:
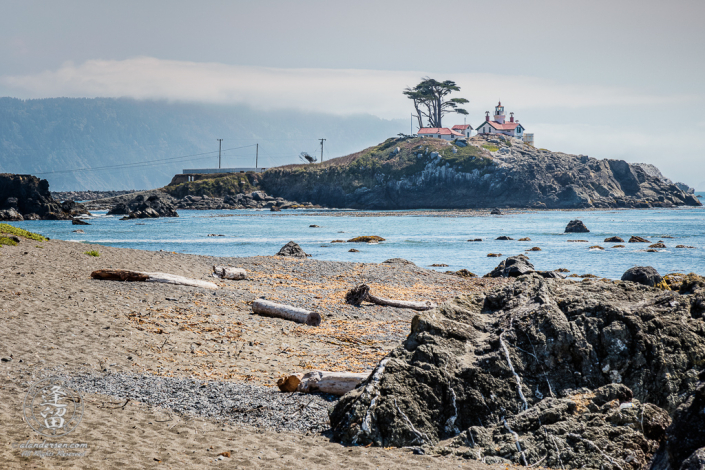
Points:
[(362, 293), (336, 383), (265, 307), (224, 272), (136, 276)]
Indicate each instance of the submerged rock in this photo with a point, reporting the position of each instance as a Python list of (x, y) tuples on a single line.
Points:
[(635, 239), (614, 240), (292, 250), (536, 361), (576, 226)]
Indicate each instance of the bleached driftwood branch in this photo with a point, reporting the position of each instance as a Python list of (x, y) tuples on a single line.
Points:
[(336, 383), (225, 272), (265, 307), (362, 293), (137, 276)]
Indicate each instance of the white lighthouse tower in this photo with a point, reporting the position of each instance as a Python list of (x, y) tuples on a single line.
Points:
[(499, 113)]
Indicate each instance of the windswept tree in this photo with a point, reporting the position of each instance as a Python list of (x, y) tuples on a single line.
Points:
[(431, 100), (307, 158)]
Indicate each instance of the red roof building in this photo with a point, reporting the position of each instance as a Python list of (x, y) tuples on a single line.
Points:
[(439, 133), (465, 129), (499, 125)]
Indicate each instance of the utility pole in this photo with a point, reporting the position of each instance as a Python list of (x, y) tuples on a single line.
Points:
[(257, 157), (220, 146), (321, 149)]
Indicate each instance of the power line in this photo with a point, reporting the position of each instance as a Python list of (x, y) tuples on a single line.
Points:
[(134, 164)]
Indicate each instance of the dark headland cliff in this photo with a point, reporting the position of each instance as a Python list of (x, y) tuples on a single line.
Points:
[(415, 173)]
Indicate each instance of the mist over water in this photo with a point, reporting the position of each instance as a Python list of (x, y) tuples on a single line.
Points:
[(424, 239)]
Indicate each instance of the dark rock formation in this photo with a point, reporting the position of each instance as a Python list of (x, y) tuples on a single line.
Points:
[(430, 173), (398, 261), (645, 275), (613, 240), (504, 237), (696, 461), (496, 211), (576, 226), (142, 207), (635, 239), (553, 361), (514, 266), (292, 250), (79, 222), (26, 197)]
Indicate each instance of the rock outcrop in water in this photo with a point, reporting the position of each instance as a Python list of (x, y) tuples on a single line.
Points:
[(569, 374), (141, 207), (26, 197), (488, 172)]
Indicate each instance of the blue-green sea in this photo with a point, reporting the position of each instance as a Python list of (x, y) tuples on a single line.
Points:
[(422, 237)]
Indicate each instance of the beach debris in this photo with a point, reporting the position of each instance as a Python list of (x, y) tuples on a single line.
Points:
[(495, 211), (645, 275), (76, 221), (568, 409), (366, 239), (514, 266), (576, 226), (613, 240), (504, 237), (287, 312), (137, 276), (361, 293), (335, 383), (225, 272), (292, 250), (635, 239)]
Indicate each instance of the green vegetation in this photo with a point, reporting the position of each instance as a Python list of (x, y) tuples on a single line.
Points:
[(490, 147), (7, 241), (7, 228), (93, 253), (232, 184)]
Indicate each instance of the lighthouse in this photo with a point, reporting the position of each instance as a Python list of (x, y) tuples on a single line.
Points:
[(499, 113)]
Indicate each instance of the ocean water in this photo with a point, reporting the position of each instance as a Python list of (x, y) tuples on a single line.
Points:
[(422, 237)]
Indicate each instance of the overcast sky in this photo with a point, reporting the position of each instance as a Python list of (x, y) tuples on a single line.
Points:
[(611, 79)]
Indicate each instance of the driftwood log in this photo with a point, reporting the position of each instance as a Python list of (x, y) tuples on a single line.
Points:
[(137, 276), (336, 383), (271, 309), (361, 293), (225, 272)]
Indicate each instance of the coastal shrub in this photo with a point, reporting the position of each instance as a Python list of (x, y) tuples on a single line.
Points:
[(7, 228), (490, 147), (93, 253), (7, 241)]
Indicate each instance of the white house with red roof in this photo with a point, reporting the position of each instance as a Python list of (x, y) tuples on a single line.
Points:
[(499, 125), (440, 133), (465, 129)]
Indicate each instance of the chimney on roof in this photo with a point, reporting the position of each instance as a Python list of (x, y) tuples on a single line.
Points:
[(511, 117), (487, 116)]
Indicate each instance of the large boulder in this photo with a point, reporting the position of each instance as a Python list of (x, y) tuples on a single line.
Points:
[(154, 206), (119, 209), (576, 226), (483, 360), (11, 214), (514, 266), (645, 275), (292, 250)]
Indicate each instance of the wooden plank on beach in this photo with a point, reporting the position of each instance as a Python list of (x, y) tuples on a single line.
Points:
[(300, 315), (137, 276), (225, 272)]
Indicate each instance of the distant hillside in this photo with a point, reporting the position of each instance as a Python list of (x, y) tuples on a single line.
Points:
[(48, 136)]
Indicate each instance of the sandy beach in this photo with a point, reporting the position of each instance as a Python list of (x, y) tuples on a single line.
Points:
[(143, 353)]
